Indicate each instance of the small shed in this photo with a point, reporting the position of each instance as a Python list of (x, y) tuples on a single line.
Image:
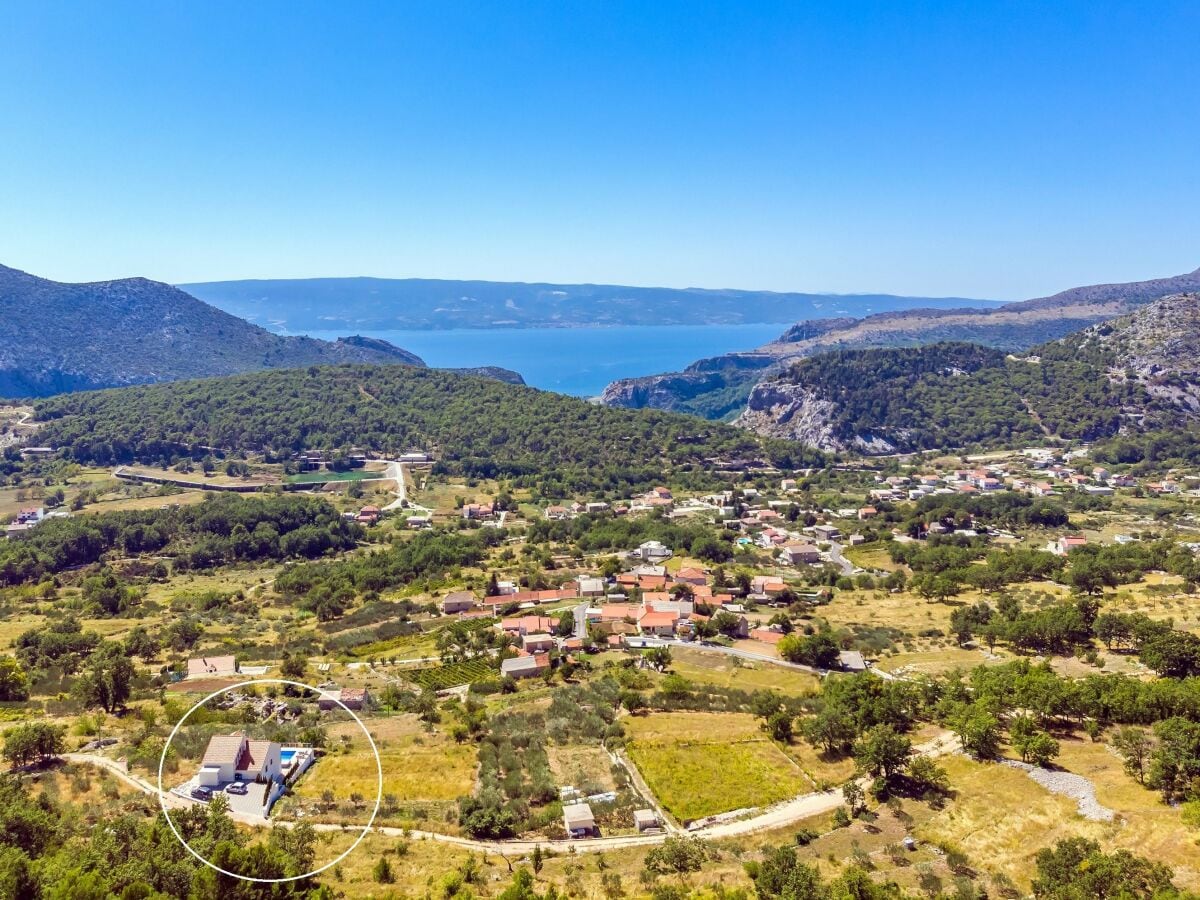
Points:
[(852, 661), (645, 819), (578, 820)]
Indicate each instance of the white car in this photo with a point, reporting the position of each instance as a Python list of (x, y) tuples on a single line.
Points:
[(235, 788)]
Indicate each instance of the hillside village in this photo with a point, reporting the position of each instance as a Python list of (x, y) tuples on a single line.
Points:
[(673, 661)]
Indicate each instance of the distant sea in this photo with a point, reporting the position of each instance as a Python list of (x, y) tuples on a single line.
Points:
[(579, 361)]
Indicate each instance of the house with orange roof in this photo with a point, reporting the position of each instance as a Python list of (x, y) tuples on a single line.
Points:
[(659, 624), (523, 625), (691, 575), (767, 635)]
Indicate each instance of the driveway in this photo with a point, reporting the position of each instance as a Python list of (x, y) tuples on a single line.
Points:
[(835, 557)]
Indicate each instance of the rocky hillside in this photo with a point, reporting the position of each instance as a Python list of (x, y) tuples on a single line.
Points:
[(1136, 372), (718, 387), (57, 337)]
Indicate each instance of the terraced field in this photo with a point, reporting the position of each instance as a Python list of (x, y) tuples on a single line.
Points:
[(436, 678)]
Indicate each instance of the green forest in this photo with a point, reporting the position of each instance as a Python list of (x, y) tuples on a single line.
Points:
[(224, 529), (477, 427)]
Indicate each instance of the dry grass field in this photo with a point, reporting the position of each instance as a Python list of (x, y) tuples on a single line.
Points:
[(586, 768), (1000, 817), (730, 672), (420, 769)]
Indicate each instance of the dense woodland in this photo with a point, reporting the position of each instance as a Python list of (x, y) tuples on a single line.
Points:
[(224, 529), (475, 426)]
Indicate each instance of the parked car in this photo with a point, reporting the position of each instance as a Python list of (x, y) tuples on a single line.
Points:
[(201, 793), (235, 787)]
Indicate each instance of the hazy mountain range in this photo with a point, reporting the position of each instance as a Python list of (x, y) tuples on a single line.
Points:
[(57, 337), (719, 387), (375, 304)]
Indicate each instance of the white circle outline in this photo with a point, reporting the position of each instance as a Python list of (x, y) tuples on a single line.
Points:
[(162, 794)]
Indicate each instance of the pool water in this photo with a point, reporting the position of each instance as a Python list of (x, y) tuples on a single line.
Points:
[(285, 756)]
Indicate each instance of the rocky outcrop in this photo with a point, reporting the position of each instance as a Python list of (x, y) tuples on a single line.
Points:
[(669, 392), (791, 411)]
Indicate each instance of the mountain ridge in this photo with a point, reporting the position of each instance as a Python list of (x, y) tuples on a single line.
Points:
[(57, 336), (308, 304)]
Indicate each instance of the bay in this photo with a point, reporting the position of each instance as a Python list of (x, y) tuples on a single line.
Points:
[(578, 361)]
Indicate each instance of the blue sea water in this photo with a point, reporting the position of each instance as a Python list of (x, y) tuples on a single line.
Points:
[(579, 361)]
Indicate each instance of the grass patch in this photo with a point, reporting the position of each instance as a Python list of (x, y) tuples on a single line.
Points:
[(701, 764), (732, 672), (325, 477)]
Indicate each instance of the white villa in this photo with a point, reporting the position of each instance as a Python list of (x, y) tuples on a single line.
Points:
[(235, 757)]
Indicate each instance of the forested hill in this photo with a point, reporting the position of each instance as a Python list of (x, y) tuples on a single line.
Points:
[(475, 426), (63, 337), (1136, 373), (719, 387)]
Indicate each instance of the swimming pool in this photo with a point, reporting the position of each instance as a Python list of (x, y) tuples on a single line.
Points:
[(285, 756)]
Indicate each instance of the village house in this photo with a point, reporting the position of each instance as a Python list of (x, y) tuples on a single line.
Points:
[(657, 624), (852, 661), (212, 666), (368, 515), (645, 819), (767, 584), (528, 666), (691, 575), (520, 626), (651, 551), (771, 635), (537, 643), (478, 511), (591, 587), (799, 554), (459, 601), (557, 512), (1066, 544), (827, 532), (351, 698)]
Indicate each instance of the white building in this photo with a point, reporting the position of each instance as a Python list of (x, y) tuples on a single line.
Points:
[(234, 757)]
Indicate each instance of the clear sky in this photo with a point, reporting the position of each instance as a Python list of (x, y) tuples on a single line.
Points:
[(984, 149)]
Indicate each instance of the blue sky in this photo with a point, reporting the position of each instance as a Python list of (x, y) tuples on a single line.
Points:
[(980, 149)]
